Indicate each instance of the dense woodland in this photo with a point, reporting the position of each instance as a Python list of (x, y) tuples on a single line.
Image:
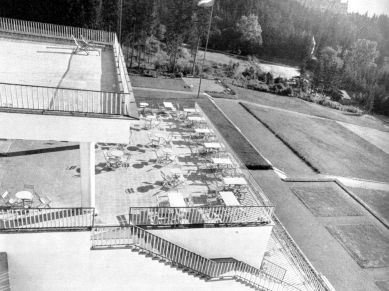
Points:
[(350, 50)]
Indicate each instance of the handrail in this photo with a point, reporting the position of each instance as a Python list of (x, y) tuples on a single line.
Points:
[(133, 236), (242, 215), (297, 258), (260, 194), (54, 30), (124, 80), (42, 218), (273, 269), (60, 99)]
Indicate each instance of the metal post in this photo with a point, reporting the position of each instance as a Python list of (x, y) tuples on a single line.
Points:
[(120, 21), (206, 46)]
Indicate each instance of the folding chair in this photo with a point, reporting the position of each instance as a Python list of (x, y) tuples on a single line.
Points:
[(31, 189), (45, 202), (168, 181), (80, 46), (90, 44), (110, 161), (153, 140)]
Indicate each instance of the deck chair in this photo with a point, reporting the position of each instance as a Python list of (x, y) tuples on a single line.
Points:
[(90, 44), (10, 201), (168, 181), (80, 46), (153, 140), (45, 202), (110, 161)]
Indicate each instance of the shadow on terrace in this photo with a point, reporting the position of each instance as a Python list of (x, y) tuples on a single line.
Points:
[(176, 170)]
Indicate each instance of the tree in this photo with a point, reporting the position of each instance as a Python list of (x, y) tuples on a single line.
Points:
[(178, 23), (327, 74), (251, 33)]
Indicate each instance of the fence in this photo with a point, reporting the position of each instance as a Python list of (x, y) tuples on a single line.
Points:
[(159, 248), (240, 215), (38, 218), (53, 30), (293, 253), (124, 79), (58, 99)]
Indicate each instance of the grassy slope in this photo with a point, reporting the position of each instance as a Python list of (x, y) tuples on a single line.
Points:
[(328, 146), (301, 106), (160, 83)]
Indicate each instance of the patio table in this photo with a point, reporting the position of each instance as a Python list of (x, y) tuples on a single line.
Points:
[(116, 153), (196, 118), (168, 104), (176, 199), (212, 145), (24, 195), (229, 198), (234, 181), (202, 130), (222, 161), (192, 110)]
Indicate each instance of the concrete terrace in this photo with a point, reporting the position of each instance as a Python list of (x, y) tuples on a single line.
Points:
[(53, 167), (53, 64)]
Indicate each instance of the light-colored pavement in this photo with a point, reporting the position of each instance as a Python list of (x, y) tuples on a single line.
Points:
[(55, 65), (376, 137)]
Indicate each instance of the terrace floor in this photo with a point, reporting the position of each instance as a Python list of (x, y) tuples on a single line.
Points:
[(53, 168), (29, 62)]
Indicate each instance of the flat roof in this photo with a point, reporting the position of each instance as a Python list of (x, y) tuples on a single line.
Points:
[(52, 64)]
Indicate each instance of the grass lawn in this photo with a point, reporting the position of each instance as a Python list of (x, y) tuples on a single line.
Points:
[(377, 201), (206, 85), (160, 83), (324, 201), (246, 152), (301, 106), (326, 145), (365, 244)]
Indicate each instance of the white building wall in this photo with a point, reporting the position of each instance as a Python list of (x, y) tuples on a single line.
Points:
[(63, 261), (247, 244)]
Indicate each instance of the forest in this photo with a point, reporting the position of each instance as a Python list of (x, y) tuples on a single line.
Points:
[(351, 51)]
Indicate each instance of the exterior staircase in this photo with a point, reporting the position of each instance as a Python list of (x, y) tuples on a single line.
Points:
[(157, 248)]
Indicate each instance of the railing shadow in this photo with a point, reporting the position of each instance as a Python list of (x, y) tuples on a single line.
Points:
[(41, 151)]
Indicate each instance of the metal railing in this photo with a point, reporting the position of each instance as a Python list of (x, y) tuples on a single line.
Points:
[(58, 99), (297, 258), (273, 269), (144, 241), (39, 218), (123, 78), (53, 30), (259, 193), (238, 215)]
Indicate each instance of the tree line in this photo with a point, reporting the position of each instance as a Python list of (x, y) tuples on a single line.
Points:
[(350, 49)]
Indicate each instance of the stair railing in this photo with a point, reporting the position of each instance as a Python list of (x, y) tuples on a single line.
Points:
[(108, 237)]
